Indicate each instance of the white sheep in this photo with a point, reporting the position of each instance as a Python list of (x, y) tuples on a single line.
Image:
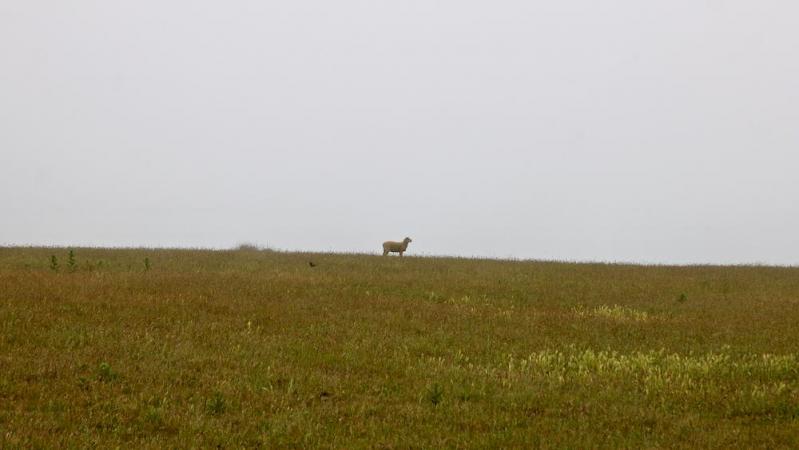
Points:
[(396, 247)]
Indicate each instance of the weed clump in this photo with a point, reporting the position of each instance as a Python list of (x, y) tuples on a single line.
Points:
[(435, 394), (71, 263), (216, 404), (105, 373), (153, 416)]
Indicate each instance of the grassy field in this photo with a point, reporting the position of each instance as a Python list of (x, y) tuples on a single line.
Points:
[(256, 348)]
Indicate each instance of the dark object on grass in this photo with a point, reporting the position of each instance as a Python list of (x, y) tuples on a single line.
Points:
[(311, 263), (71, 263)]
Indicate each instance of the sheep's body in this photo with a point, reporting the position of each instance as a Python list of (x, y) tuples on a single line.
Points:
[(396, 247)]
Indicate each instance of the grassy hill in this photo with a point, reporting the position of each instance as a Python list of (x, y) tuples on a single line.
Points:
[(254, 348)]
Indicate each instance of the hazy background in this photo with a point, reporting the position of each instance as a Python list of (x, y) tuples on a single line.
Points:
[(583, 130)]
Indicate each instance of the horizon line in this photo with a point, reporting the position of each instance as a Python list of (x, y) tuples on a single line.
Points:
[(267, 248)]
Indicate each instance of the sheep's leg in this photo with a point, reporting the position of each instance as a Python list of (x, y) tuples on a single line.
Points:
[(400, 253)]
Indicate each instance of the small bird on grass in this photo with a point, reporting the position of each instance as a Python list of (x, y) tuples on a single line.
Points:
[(311, 263)]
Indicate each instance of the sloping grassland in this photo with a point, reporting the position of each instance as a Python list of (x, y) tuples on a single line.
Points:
[(258, 349)]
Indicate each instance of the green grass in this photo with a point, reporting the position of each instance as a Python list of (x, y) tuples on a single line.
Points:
[(254, 348)]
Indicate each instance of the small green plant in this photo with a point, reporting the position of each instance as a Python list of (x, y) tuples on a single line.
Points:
[(53, 263), (682, 298), (435, 394), (465, 396), (71, 263), (104, 372), (146, 264), (216, 404), (153, 416)]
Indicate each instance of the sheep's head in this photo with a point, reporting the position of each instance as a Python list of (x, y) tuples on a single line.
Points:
[(407, 239)]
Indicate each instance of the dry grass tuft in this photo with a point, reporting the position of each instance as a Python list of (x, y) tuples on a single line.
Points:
[(615, 312)]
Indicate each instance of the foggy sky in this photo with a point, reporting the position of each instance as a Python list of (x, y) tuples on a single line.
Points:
[(619, 130)]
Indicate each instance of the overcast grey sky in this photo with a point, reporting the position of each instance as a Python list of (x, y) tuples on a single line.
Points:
[(619, 130)]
